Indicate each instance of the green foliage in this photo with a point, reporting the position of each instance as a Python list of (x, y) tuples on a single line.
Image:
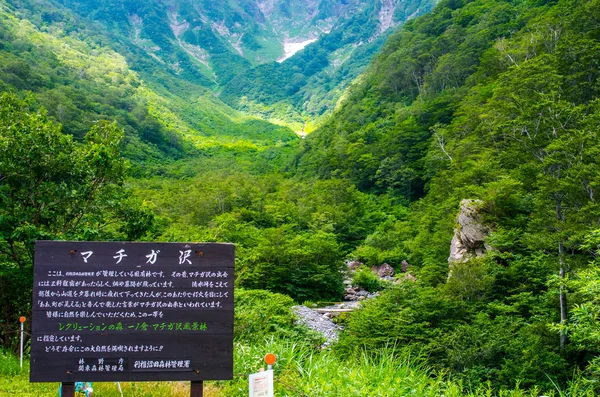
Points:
[(478, 342), (291, 235), (261, 315), (365, 278), (303, 266), (15, 381), (81, 75), (403, 314), (54, 188), (584, 326), (79, 82), (473, 351), (300, 369), (9, 365), (470, 280), (482, 100), (384, 372), (377, 129), (384, 245)]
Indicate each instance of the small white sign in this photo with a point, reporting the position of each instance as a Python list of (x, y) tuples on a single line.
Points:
[(261, 384)]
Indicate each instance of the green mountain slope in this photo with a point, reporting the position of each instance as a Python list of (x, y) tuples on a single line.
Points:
[(309, 84), (75, 72), (495, 101), (455, 107), (211, 42), (416, 82), (232, 46)]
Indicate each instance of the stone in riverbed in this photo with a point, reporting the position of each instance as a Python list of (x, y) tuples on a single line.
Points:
[(383, 270)]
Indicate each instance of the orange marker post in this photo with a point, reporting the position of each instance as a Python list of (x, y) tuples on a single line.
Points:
[(270, 359), (22, 321)]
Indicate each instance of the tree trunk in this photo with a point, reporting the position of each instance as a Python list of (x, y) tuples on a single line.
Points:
[(562, 295), (561, 260)]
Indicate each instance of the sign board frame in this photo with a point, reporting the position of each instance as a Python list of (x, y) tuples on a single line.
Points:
[(260, 384), (124, 311)]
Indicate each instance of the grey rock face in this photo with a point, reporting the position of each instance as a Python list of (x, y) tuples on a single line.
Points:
[(469, 235), (472, 231), (405, 265)]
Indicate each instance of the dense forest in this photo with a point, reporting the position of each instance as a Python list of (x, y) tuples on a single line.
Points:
[(485, 105)]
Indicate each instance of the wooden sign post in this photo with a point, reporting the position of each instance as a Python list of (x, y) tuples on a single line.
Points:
[(196, 389), (67, 389), (109, 312)]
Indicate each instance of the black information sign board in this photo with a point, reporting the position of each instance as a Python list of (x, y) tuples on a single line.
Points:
[(111, 311)]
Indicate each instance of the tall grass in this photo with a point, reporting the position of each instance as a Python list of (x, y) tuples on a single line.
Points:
[(14, 382), (300, 371)]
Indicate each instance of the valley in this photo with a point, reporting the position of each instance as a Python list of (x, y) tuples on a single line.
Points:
[(454, 142)]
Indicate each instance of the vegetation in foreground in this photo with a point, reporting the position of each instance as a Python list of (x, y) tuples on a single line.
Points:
[(302, 369)]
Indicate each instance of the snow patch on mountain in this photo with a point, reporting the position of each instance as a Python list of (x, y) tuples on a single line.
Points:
[(290, 47)]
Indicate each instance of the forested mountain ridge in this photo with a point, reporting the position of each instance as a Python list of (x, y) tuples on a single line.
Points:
[(221, 38), (446, 104), (80, 75), (231, 47), (308, 85)]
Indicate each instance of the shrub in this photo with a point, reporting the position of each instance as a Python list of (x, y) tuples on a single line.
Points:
[(262, 314), (365, 278)]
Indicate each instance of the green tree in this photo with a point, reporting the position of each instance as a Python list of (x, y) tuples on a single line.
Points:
[(54, 188), (584, 327), (556, 141), (304, 266)]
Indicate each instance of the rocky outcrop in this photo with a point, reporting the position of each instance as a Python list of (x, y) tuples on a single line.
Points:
[(353, 265), (386, 15), (355, 294), (470, 233), (404, 266), (384, 270)]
